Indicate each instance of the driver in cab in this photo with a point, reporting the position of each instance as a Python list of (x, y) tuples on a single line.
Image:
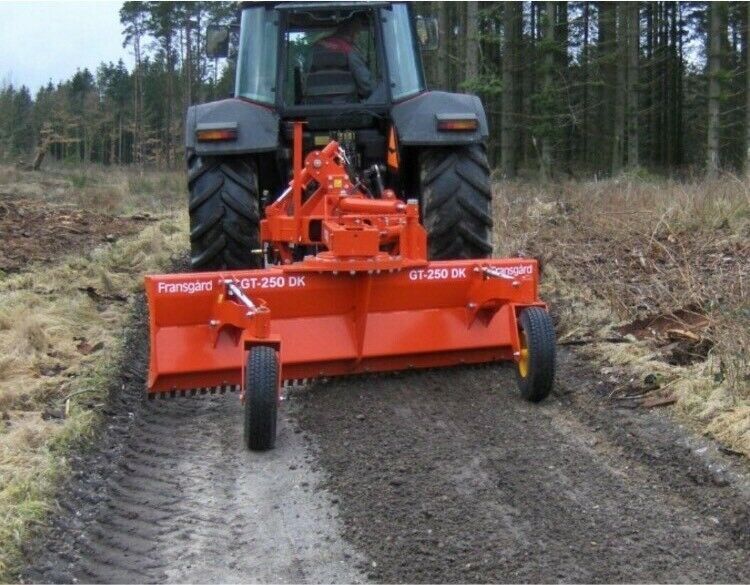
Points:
[(338, 53)]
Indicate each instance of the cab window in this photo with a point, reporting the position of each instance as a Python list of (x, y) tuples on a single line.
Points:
[(401, 51), (325, 65), (256, 61)]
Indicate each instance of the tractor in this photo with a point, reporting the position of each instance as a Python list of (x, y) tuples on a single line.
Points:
[(396, 133), (340, 221)]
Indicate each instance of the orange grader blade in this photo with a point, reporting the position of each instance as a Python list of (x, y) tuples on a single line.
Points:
[(326, 323)]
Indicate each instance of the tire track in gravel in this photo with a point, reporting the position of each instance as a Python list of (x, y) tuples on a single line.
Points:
[(170, 495), (433, 476)]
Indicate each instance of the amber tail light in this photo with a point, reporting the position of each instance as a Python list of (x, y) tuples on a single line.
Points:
[(457, 123), (216, 134)]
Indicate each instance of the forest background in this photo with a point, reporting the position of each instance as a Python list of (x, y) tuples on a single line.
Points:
[(571, 89)]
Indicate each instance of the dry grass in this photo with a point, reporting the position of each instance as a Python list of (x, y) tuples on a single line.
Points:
[(111, 190), (59, 328), (629, 252)]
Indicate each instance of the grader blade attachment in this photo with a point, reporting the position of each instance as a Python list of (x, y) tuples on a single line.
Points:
[(335, 323), (349, 290)]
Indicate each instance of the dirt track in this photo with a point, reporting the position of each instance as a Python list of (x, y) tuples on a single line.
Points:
[(418, 477), (38, 231)]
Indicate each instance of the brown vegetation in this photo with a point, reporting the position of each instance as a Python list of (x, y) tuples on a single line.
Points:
[(60, 324), (660, 270), (35, 232)]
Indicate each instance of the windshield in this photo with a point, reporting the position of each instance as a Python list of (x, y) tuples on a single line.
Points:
[(401, 52), (256, 62)]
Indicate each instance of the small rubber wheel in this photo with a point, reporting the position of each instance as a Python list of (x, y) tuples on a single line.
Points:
[(536, 368), (261, 398)]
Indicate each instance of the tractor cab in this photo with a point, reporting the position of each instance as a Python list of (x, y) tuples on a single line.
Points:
[(304, 58)]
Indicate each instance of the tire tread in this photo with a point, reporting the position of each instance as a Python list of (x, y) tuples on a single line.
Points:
[(540, 338), (224, 213), (457, 202), (261, 398)]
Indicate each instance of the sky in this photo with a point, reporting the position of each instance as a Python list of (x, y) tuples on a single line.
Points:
[(40, 41)]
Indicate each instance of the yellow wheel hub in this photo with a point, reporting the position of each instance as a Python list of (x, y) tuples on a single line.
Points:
[(523, 362)]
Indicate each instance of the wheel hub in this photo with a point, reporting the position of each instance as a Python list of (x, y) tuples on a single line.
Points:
[(523, 362)]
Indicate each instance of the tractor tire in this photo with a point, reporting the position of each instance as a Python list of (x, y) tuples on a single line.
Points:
[(456, 202), (536, 369), (261, 398), (224, 213)]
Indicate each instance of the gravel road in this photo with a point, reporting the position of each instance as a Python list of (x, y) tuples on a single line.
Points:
[(169, 495), (439, 476)]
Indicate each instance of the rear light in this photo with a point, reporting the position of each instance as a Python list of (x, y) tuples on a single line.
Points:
[(457, 122), (216, 133)]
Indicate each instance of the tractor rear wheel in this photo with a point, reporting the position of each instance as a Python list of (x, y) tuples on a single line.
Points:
[(536, 367), (224, 213), (456, 202), (261, 398)]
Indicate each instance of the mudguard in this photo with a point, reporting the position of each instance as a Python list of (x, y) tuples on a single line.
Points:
[(257, 127), (416, 119)]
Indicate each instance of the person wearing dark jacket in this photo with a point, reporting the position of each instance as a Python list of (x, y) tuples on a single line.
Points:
[(341, 44)]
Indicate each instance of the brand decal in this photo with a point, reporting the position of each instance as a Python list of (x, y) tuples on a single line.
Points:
[(264, 282), (185, 288), (459, 273), (518, 270), (437, 273)]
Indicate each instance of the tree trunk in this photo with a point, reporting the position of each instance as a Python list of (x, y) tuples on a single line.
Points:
[(170, 103), (138, 116), (606, 50), (747, 93), (38, 158), (442, 53), (650, 93), (671, 81), (119, 141), (585, 73), (679, 117), (188, 65), (472, 40), (562, 33), (666, 76), (508, 139), (459, 74), (714, 89), (45, 139), (546, 157), (618, 131), (634, 36), (528, 70), (112, 140)]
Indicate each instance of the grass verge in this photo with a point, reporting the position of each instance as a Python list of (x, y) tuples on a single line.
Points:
[(113, 190), (59, 345), (651, 278)]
